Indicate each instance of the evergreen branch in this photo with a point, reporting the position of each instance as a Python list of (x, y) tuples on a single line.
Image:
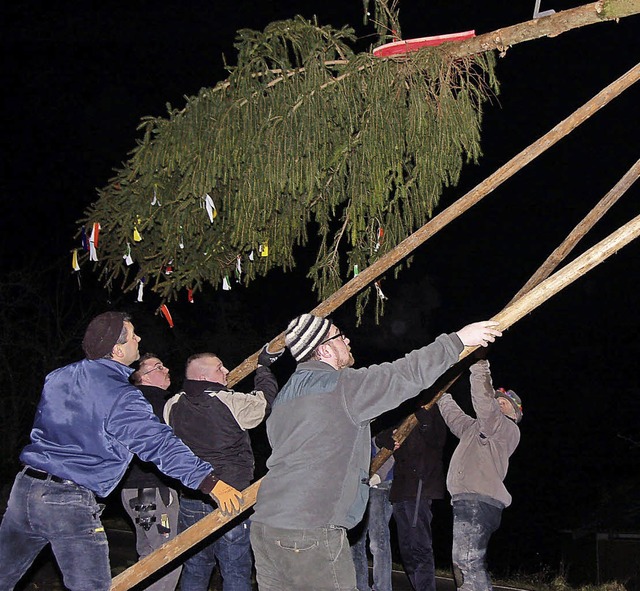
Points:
[(296, 133)]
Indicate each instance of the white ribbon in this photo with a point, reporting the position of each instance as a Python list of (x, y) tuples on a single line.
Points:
[(210, 207), (140, 289)]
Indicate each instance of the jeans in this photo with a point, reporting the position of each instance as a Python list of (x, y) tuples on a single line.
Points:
[(415, 540), (65, 515), (376, 525), (231, 550), (473, 523), (148, 540), (317, 559)]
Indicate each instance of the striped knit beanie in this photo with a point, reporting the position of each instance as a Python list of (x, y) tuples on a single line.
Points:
[(305, 333)]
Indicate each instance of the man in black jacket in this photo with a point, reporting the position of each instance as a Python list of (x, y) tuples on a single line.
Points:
[(149, 497), (418, 479), (213, 421)]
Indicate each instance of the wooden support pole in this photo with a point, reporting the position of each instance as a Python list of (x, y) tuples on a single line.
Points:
[(433, 226), (505, 319), (551, 263)]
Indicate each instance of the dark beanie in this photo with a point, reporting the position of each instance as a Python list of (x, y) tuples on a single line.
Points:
[(102, 334), (305, 333)]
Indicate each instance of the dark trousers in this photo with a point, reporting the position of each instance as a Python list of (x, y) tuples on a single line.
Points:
[(231, 551), (413, 522), (376, 527)]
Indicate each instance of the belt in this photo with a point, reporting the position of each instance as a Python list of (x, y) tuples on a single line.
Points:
[(40, 475)]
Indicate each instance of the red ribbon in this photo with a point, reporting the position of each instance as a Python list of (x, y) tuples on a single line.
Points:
[(166, 314)]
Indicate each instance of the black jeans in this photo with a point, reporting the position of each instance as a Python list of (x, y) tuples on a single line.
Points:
[(413, 521)]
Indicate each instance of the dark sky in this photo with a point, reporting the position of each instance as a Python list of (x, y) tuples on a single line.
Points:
[(79, 76)]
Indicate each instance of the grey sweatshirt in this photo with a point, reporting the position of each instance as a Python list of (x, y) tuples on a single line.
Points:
[(480, 462), (321, 440)]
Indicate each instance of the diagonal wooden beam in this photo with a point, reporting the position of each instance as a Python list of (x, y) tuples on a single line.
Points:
[(433, 226), (505, 319), (549, 265)]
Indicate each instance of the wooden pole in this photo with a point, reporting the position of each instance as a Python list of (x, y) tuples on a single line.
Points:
[(409, 244), (505, 319), (551, 263), (560, 253), (214, 521)]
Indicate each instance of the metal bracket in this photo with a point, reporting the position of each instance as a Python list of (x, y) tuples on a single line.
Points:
[(538, 14)]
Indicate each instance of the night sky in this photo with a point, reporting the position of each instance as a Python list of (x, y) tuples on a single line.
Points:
[(79, 76)]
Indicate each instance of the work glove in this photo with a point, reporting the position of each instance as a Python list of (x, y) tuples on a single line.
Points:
[(229, 499), (266, 357), (375, 480)]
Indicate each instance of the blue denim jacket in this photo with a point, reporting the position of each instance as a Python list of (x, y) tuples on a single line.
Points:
[(91, 420)]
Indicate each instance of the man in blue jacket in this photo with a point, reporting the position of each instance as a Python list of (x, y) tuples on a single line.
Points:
[(89, 423)]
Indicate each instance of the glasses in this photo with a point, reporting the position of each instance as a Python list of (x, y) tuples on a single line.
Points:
[(156, 367), (340, 335)]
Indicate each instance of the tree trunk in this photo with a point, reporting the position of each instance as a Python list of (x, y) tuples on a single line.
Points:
[(547, 26)]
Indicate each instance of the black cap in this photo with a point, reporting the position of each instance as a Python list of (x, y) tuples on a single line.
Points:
[(102, 334)]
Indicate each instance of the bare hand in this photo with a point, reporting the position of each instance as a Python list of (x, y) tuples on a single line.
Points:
[(479, 333)]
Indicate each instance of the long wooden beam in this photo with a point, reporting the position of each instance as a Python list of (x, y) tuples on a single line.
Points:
[(505, 319), (433, 226), (549, 265)]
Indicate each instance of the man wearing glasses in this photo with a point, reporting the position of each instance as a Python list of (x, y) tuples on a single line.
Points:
[(317, 484), (149, 497)]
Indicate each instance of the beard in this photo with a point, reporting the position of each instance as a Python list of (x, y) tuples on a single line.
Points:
[(346, 361)]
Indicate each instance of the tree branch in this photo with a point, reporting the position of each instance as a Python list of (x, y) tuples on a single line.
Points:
[(547, 26)]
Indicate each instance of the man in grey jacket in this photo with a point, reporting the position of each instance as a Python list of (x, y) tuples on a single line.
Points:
[(477, 470), (317, 484)]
